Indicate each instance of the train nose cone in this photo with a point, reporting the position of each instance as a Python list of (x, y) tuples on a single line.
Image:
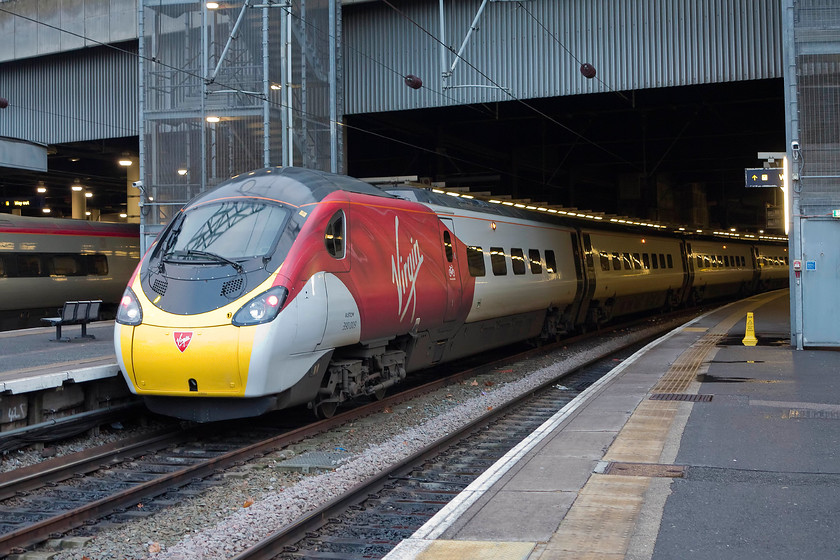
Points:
[(193, 362)]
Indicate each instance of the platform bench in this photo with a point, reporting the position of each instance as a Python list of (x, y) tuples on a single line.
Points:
[(75, 313)]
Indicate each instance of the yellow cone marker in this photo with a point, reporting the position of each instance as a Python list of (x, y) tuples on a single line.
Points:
[(749, 336)]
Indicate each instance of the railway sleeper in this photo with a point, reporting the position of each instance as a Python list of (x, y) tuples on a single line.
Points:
[(350, 378)]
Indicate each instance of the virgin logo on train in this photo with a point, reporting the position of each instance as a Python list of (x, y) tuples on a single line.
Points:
[(183, 339), (404, 272)]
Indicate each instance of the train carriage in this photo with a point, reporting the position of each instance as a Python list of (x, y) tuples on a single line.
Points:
[(721, 269), (634, 273), (47, 261)]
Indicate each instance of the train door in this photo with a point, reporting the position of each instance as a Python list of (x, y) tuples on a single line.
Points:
[(585, 277), (451, 270), (688, 268)]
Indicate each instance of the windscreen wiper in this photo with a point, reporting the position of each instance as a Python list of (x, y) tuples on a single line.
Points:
[(208, 254)]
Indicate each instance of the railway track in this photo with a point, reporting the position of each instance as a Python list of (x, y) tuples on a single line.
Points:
[(54, 497), (374, 517)]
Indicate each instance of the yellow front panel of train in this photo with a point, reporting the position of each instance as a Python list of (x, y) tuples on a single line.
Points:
[(188, 362)]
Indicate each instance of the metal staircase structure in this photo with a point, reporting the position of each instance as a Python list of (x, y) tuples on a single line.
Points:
[(226, 88)]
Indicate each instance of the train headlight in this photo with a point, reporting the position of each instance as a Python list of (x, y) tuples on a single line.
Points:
[(129, 311), (262, 309)]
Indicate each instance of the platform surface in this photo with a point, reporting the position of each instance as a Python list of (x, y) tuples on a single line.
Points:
[(748, 471), (31, 359)]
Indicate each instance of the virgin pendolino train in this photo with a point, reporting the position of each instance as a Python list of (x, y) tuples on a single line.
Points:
[(288, 286), (47, 261)]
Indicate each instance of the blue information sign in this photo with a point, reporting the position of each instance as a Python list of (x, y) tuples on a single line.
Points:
[(761, 177)]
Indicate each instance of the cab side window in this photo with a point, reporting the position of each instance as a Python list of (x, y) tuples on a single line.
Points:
[(447, 245), (334, 235)]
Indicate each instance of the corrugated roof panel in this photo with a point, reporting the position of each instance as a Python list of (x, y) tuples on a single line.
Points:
[(91, 94), (534, 48)]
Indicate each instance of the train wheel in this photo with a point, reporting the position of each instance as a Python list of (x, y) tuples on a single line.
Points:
[(326, 409)]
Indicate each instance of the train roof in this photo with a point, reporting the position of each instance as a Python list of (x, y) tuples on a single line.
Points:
[(562, 217), (295, 186)]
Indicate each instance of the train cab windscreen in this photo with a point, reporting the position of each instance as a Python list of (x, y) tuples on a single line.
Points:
[(228, 232)]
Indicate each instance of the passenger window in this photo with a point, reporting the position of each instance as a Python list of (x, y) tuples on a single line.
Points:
[(97, 265), (662, 260), (786, 261), (646, 261), (616, 261), (637, 262), (28, 266), (654, 261), (63, 265), (628, 264), (670, 261), (334, 236), (550, 263), (726, 260), (517, 261), (497, 261), (447, 245), (2, 267), (475, 261), (605, 261), (534, 259), (699, 261)]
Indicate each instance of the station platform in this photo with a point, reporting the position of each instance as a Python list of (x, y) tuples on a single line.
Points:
[(32, 359), (695, 447), (43, 380)]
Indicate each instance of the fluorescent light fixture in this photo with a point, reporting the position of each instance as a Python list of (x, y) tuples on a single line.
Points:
[(125, 162), (123, 215), (45, 210), (213, 119), (182, 171), (77, 188), (41, 190), (212, 5), (88, 194)]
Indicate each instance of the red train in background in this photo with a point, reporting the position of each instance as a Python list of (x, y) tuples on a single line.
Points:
[(288, 286)]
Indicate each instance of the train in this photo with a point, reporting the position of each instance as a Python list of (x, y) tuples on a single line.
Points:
[(287, 286), (47, 261)]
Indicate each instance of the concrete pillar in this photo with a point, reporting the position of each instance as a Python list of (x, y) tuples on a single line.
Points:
[(79, 204), (132, 195)]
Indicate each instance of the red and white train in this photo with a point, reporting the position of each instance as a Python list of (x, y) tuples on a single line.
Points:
[(287, 286), (47, 261)]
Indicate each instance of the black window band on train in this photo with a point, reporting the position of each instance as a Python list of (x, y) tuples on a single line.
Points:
[(40, 265)]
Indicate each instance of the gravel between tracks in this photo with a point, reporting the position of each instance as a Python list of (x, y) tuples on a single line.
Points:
[(261, 499)]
